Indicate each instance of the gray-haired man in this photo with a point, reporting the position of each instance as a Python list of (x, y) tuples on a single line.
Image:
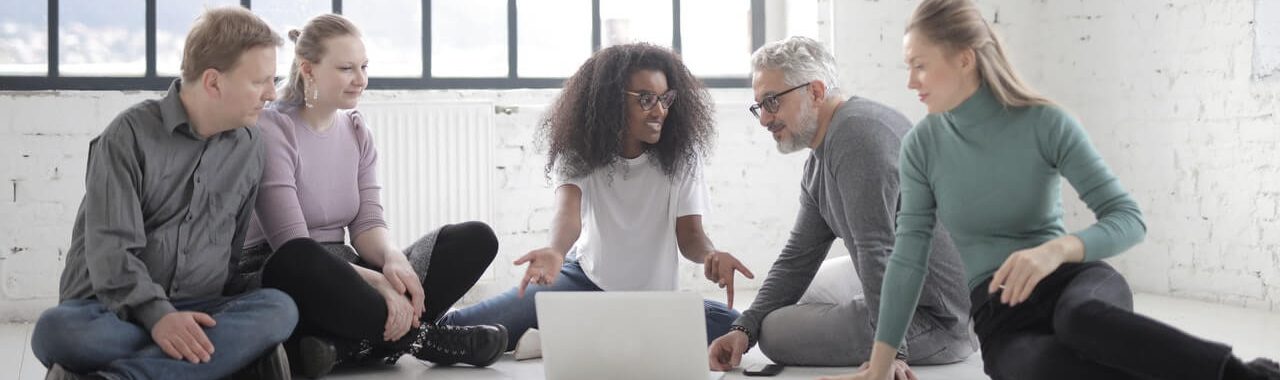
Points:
[(849, 191)]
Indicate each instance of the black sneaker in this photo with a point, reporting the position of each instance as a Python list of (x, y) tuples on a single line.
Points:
[(273, 365), (479, 345), (316, 357)]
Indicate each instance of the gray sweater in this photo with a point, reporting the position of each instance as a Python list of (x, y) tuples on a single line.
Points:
[(850, 191)]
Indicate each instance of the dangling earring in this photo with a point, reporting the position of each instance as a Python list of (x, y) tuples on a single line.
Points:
[(312, 94)]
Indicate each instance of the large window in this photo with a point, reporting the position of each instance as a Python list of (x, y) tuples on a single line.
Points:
[(412, 44), (1266, 44)]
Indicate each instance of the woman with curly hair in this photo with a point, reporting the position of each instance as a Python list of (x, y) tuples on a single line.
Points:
[(626, 138)]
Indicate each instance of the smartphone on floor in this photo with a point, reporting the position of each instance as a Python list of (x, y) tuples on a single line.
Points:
[(762, 370)]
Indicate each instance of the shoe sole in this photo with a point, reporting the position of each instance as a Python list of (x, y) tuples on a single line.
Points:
[(1266, 367), (316, 357), (277, 367), (502, 347)]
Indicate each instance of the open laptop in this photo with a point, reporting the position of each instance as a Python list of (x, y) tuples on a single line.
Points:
[(623, 335)]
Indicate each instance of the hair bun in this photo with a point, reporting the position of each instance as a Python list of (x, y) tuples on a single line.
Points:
[(293, 34)]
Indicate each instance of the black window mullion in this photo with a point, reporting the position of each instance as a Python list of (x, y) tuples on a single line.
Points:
[(53, 39), (512, 40), (152, 81), (675, 26), (757, 24), (151, 39), (595, 25), (426, 42)]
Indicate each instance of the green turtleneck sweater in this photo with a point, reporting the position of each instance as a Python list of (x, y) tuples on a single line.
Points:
[(990, 174)]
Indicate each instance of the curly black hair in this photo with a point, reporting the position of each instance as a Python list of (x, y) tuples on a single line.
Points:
[(586, 125)]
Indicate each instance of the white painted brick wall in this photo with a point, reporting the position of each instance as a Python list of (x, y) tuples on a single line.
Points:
[(43, 141), (1166, 92)]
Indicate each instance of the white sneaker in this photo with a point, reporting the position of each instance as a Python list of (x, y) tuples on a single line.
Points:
[(529, 346)]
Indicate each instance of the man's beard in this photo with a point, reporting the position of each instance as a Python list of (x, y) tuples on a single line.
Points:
[(807, 129)]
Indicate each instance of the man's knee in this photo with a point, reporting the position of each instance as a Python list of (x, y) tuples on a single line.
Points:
[(814, 334), (278, 314), (51, 336), (68, 335)]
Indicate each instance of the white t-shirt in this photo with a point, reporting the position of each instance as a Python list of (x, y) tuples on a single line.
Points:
[(628, 239)]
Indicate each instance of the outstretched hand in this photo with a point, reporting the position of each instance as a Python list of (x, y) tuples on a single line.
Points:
[(719, 267), (544, 266)]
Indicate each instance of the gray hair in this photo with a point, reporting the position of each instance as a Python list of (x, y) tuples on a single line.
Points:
[(801, 60)]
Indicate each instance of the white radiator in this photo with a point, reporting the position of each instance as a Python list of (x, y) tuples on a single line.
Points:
[(435, 162)]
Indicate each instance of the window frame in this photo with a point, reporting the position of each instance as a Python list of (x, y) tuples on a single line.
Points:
[(52, 80)]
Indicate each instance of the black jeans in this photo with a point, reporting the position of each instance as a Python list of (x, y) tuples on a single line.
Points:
[(334, 301), (1079, 324)]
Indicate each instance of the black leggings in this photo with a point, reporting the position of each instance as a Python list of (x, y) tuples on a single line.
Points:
[(333, 300), (1079, 324)]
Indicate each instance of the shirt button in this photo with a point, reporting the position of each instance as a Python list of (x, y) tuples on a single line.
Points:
[(189, 217)]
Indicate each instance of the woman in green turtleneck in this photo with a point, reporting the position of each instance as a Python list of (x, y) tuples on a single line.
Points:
[(986, 162)]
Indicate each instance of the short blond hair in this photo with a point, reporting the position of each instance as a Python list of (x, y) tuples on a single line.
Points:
[(220, 36)]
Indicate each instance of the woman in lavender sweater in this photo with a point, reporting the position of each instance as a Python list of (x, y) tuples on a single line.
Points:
[(367, 301)]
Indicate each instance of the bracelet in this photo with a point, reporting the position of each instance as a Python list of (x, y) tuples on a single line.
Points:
[(743, 330)]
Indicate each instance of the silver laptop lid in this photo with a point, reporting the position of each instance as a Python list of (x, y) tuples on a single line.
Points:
[(623, 335)]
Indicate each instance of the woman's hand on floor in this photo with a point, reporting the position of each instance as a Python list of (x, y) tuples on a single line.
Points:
[(901, 371), (401, 277), (719, 267), (544, 265)]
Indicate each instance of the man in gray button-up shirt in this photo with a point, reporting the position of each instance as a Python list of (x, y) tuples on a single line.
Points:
[(170, 187), (849, 191)]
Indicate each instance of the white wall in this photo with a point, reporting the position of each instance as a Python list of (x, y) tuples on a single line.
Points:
[(1164, 88)]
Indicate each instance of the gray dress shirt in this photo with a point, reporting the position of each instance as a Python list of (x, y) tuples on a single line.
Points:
[(163, 211)]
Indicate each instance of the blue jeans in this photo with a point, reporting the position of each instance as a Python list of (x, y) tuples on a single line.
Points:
[(85, 337), (518, 314)]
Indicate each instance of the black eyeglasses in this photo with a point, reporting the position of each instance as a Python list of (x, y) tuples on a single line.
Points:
[(770, 103), (649, 99)]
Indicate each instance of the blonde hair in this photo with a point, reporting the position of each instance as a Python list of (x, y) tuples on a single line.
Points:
[(958, 25), (309, 45), (219, 37)]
